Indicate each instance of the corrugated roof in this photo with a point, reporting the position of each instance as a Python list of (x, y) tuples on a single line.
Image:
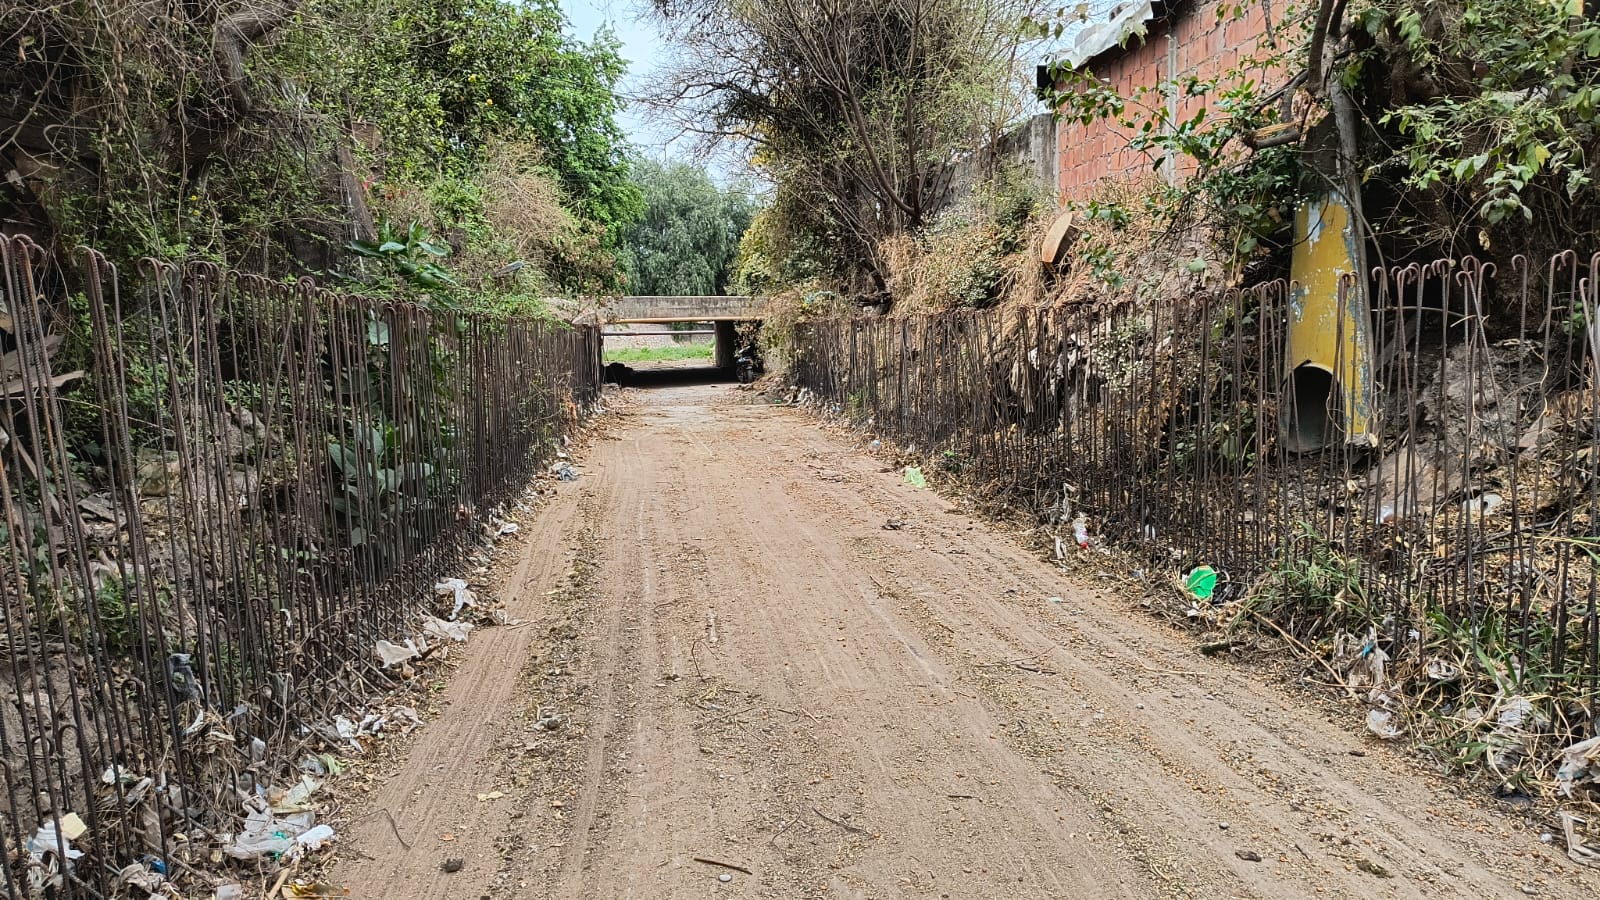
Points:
[(1128, 21)]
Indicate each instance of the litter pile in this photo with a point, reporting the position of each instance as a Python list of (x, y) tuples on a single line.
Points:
[(276, 826)]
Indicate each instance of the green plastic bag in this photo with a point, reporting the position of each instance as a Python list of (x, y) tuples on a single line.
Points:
[(1201, 582), (914, 477)]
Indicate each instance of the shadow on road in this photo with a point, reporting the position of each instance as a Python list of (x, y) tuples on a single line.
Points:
[(676, 376)]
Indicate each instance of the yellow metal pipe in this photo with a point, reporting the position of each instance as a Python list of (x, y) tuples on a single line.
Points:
[(1328, 345)]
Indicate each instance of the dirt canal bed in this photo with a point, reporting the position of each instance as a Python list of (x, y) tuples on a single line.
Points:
[(737, 677)]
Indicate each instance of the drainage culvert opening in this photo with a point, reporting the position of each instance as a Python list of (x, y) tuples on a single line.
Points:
[(1310, 424)]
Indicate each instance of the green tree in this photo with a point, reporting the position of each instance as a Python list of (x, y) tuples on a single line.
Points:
[(858, 106), (446, 78), (686, 243)]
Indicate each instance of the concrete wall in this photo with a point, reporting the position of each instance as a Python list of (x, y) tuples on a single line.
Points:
[(654, 338), (1030, 146), (1190, 42)]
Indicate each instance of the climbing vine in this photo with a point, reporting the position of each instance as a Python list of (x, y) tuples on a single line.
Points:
[(1471, 125)]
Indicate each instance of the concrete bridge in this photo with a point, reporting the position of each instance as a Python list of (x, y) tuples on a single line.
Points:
[(683, 309), (726, 312)]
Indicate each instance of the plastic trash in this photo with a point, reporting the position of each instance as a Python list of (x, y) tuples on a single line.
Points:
[(52, 837), (346, 730), (232, 891), (394, 654), (440, 630), (294, 799), (1578, 849), (390, 719), (1381, 723), (313, 839), (1579, 763), (265, 834), (51, 854), (1080, 531), (1201, 582), (144, 876), (464, 597), (1508, 741), (1362, 661), (1484, 504), (564, 472), (915, 478), (321, 764)]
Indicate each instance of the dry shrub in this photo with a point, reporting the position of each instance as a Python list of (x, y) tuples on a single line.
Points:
[(1130, 248), (785, 312), (978, 253), (950, 264), (522, 201), (1023, 279)]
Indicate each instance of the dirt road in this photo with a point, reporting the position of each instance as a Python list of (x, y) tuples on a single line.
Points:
[(749, 668)]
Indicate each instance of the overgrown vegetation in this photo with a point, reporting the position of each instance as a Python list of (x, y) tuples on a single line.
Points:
[(855, 110), (972, 254), (1457, 126), (271, 137), (686, 242)]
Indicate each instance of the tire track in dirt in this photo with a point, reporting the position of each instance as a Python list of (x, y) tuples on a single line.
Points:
[(861, 726), (434, 791)]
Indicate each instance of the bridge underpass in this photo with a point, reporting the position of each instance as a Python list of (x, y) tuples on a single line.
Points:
[(725, 314)]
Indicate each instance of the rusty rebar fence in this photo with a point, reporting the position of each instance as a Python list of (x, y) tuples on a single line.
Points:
[(239, 486), (1458, 534)]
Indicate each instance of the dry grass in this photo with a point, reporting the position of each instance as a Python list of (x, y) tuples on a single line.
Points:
[(784, 312), (964, 259), (1126, 251), (522, 201), (1135, 253)]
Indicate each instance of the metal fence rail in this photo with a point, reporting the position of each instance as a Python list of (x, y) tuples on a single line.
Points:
[(240, 486), (1465, 517)]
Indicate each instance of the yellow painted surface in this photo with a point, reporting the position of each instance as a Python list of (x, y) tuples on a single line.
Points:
[(1327, 334)]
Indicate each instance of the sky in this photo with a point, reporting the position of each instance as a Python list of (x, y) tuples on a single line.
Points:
[(644, 49), (646, 52)]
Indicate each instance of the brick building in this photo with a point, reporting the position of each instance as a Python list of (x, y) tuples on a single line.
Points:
[(1144, 44)]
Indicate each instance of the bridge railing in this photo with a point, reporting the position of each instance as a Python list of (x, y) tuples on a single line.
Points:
[(683, 309)]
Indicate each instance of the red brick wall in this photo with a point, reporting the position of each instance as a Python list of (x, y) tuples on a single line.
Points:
[(1207, 48)]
